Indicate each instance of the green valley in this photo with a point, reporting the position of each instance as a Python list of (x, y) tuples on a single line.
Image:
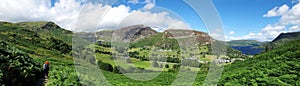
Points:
[(108, 57)]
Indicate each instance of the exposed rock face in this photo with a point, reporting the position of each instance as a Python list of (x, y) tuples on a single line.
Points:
[(137, 32), (133, 33), (104, 35), (198, 36)]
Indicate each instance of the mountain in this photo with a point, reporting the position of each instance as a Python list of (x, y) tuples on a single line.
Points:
[(169, 39), (104, 34), (244, 43), (249, 47), (46, 37), (201, 37), (284, 38), (130, 33), (140, 36), (279, 66), (287, 36), (24, 48)]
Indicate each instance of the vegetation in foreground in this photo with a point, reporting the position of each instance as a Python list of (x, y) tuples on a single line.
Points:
[(25, 46)]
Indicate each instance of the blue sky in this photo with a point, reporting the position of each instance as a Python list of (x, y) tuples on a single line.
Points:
[(245, 16), (260, 20)]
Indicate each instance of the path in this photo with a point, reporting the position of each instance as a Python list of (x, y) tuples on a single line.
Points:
[(42, 82)]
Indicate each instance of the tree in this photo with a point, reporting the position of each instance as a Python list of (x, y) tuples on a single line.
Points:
[(176, 66), (167, 65), (105, 66)]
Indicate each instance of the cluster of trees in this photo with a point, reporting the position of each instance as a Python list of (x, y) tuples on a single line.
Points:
[(103, 52), (173, 60), (135, 54), (59, 45), (103, 44), (119, 69)]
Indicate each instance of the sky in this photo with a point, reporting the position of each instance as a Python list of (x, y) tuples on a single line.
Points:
[(261, 20)]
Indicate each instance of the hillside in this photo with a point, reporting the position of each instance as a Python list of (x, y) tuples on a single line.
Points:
[(46, 37), (279, 66), (244, 43), (130, 33), (248, 47), (16, 67), (283, 38), (287, 36), (140, 36), (24, 48)]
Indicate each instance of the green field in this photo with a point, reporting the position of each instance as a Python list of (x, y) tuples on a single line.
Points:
[(26, 46)]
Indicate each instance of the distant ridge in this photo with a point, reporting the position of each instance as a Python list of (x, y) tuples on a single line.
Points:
[(138, 32), (287, 36)]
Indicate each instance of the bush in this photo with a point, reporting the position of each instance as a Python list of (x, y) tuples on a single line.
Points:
[(17, 68), (167, 65), (173, 70), (105, 66), (173, 60), (118, 70)]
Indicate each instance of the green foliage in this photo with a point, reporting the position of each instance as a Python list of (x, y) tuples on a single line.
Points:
[(157, 40), (17, 68), (167, 66), (275, 67), (173, 60), (278, 66), (105, 66), (62, 72), (59, 45)]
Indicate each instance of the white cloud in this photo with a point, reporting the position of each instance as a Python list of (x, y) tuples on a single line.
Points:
[(289, 22), (292, 16), (149, 6), (63, 13), (268, 33), (231, 32), (277, 11), (153, 19), (133, 1), (294, 28), (66, 12)]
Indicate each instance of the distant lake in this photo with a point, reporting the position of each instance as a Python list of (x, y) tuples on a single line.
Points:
[(249, 50)]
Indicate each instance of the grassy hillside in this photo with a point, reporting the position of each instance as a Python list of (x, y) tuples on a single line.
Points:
[(16, 67), (37, 40), (157, 40), (279, 66), (25, 46), (282, 39)]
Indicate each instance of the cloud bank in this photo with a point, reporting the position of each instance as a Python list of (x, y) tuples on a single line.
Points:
[(66, 13)]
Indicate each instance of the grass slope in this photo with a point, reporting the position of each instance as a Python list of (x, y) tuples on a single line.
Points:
[(279, 66)]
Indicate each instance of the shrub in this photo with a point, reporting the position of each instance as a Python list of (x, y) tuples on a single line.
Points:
[(105, 66), (167, 65)]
